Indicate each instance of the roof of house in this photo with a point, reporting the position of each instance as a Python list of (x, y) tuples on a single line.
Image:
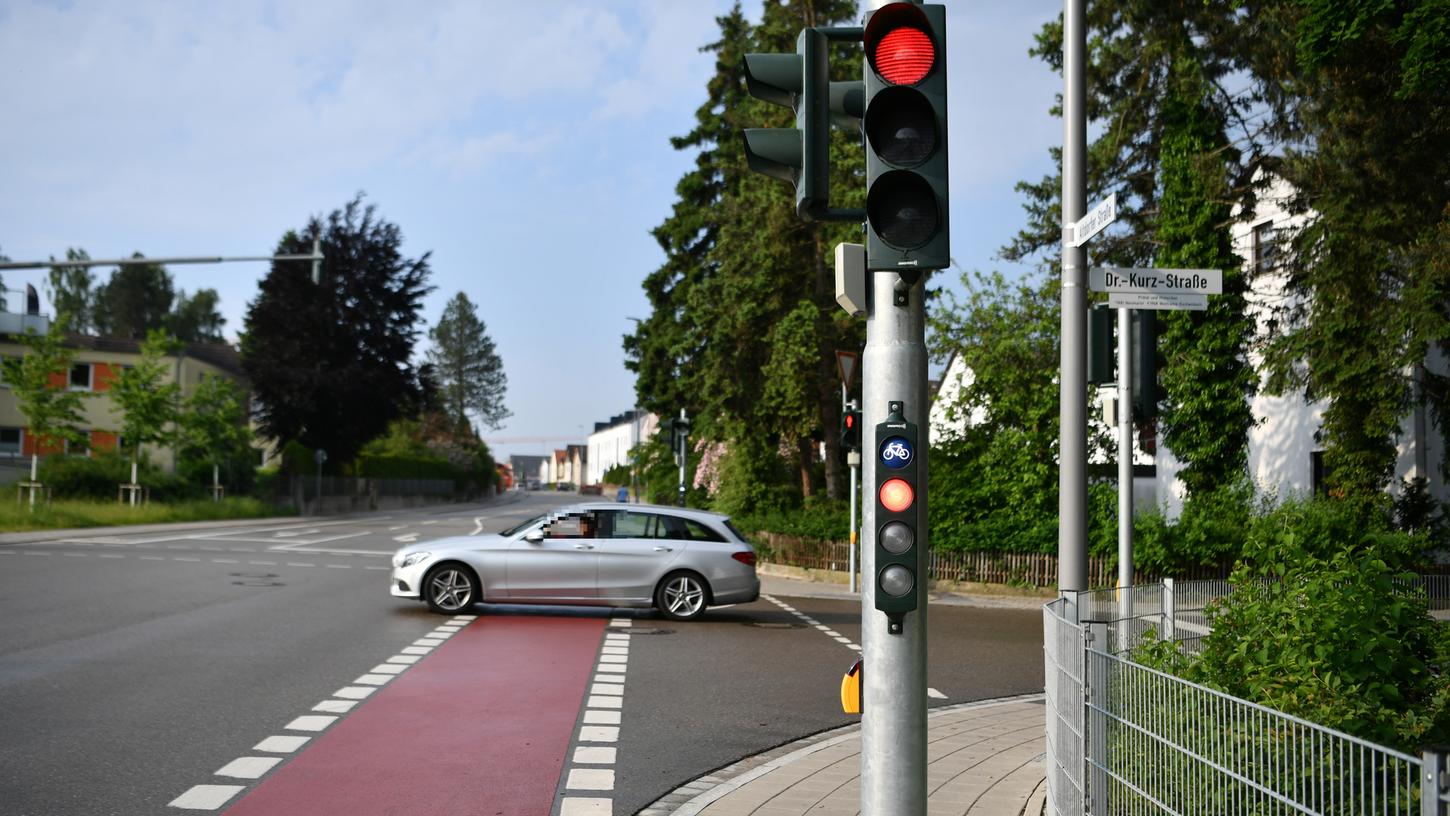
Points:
[(222, 355)]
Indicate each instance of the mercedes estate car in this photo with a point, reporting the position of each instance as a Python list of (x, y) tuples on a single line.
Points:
[(598, 554)]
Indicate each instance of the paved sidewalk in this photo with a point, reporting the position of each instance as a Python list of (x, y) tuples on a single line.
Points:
[(985, 759)]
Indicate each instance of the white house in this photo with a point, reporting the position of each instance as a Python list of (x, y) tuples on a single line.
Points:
[(1285, 457), (611, 442)]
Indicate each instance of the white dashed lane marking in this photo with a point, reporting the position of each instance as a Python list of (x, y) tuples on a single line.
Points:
[(599, 727), (834, 635), (342, 701)]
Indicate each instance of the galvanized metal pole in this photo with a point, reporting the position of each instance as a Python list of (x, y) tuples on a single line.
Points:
[(1125, 475), (1072, 446), (853, 458), (1125, 448), (893, 706), (684, 455)]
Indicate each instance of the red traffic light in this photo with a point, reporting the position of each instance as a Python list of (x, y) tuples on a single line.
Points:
[(904, 56), (850, 420), (897, 495)]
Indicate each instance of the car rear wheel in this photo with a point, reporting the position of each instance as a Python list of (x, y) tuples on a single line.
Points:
[(681, 596), (450, 589)]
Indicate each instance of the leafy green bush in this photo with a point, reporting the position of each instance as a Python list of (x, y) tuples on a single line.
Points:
[(97, 477), (1322, 624), (369, 466), (820, 518)]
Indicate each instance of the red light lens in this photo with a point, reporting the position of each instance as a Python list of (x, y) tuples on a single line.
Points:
[(904, 56), (897, 495), (850, 421)]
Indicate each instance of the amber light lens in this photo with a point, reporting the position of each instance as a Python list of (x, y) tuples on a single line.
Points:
[(904, 56), (897, 495)]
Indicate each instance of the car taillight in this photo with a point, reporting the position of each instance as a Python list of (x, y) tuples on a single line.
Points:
[(746, 558)]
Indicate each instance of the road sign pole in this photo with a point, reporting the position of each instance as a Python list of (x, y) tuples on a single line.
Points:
[(893, 715), (1125, 462), (1072, 445)]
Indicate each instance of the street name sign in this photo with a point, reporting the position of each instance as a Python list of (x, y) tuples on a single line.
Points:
[(1149, 300), (1116, 279), (1105, 213)]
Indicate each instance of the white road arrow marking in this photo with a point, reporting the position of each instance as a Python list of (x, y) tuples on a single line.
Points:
[(406, 539)]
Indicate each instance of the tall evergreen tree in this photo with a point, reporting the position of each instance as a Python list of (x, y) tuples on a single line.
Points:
[(468, 371), (744, 322), (1207, 377), (1356, 97), (331, 363), (136, 299), (196, 318), (70, 290)]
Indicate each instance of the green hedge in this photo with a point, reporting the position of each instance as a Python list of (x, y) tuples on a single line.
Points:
[(97, 477), (369, 466)]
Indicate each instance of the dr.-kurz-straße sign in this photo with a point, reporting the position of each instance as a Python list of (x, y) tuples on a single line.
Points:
[(1156, 281)]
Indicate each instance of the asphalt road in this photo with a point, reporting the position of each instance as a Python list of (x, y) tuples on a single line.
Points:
[(134, 666)]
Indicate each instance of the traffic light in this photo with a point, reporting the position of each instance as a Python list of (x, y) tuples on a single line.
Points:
[(905, 126), (802, 155), (1144, 332), (850, 430), (900, 519), (1100, 368)]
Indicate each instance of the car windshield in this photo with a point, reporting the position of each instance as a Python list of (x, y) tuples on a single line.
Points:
[(518, 528)]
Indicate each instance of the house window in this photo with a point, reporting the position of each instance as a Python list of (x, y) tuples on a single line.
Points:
[(80, 377), (1317, 485), (80, 448), (1266, 247), (11, 441)]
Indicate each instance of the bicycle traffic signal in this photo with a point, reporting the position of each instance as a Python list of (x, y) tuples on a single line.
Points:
[(906, 138), (900, 519)]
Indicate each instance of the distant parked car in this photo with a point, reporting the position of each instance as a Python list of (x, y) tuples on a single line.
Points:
[(533, 484), (564, 487), (676, 560), (591, 490)]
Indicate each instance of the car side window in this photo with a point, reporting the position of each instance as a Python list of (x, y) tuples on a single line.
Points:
[(573, 525), (633, 524), (695, 531)]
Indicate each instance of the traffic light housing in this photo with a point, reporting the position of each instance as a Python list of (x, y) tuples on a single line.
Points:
[(905, 126), (802, 155), (900, 517), (1144, 330), (850, 430)]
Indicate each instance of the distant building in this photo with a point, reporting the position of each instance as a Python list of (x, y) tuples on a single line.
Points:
[(528, 468), (610, 444), (97, 361)]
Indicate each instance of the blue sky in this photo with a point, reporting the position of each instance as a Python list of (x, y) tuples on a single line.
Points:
[(524, 144)]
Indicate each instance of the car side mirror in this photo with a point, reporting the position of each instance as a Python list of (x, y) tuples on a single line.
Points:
[(534, 536)]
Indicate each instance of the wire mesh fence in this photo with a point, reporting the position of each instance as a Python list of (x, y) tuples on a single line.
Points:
[(1127, 739)]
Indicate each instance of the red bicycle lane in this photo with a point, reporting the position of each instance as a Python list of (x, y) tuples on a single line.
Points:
[(481, 725)]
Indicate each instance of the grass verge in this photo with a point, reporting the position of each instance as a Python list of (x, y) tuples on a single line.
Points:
[(65, 514)]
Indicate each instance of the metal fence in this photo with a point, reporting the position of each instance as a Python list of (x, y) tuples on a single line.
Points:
[(1127, 739)]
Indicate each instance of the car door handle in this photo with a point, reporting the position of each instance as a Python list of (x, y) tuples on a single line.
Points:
[(583, 546), (664, 549)]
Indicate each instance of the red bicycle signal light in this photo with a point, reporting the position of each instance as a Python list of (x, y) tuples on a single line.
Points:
[(897, 495), (904, 56)]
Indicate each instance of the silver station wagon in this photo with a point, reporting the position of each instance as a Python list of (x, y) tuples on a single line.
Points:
[(599, 554)]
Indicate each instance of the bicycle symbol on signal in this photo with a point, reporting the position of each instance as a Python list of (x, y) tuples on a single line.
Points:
[(896, 449)]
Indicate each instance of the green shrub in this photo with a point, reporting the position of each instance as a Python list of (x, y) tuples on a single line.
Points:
[(1322, 625), (98, 477), (820, 518), (370, 466)]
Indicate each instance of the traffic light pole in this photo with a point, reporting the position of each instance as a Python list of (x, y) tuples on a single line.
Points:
[(1072, 446), (893, 710)]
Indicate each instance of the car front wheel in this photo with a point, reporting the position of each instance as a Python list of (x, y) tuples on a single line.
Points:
[(681, 596), (450, 589)]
